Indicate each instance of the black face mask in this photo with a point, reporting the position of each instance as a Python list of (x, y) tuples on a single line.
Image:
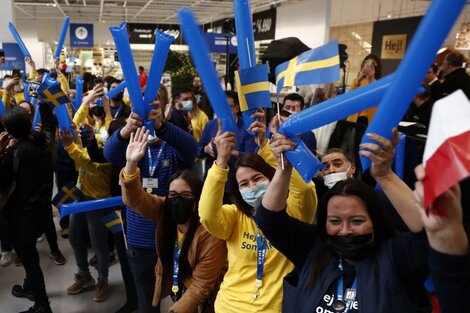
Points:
[(351, 247), (97, 111), (181, 209), (118, 97)]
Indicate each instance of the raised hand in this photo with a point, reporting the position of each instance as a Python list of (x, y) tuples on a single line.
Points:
[(156, 114), (443, 221), (66, 137), (137, 145), (259, 127), (225, 142), (133, 122), (280, 144), (381, 154)]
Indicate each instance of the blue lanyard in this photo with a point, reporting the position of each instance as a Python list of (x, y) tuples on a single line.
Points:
[(261, 244), (176, 267), (153, 163), (118, 111), (340, 291)]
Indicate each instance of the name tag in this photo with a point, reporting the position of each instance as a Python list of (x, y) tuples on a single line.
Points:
[(150, 183)]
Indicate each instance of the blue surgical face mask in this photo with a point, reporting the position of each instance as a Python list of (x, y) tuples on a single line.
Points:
[(187, 106), (254, 195)]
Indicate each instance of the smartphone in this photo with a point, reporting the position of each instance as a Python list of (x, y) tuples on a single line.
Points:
[(16, 73)]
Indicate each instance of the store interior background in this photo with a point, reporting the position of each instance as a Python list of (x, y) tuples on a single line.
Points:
[(314, 22)]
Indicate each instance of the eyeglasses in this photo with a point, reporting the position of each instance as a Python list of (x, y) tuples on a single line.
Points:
[(184, 194)]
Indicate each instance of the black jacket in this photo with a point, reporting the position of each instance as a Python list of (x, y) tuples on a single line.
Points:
[(34, 180), (456, 80)]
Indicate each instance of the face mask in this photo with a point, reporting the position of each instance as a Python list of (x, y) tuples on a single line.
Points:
[(330, 180), (254, 195), (187, 106), (351, 247), (5, 83), (291, 112), (181, 209), (104, 136)]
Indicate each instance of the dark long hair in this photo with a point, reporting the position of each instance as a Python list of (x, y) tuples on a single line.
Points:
[(17, 122), (254, 161), (382, 228), (378, 66), (166, 227)]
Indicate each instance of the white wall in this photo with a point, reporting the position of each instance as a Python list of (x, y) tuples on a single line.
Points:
[(6, 17), (307, 20), (29, 34)]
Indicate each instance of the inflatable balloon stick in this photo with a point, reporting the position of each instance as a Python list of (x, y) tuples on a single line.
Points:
[(200, 56), (91, 205), (123, 48), (19, 41), (63, 34), (160, 53), (427, 39), (116, 90), (245, 46), (64, 119), (78, 91)]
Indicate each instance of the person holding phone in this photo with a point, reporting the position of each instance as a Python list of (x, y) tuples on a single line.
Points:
[(371, 70)]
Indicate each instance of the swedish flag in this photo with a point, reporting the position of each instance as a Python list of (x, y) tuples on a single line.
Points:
[(316, 66), (113, 221), (253, 87), (52, 92), (68, 194)]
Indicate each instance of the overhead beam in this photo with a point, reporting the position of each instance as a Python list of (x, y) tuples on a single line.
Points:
[(23, 10), (60, 8), (142, 10), (101, 11)]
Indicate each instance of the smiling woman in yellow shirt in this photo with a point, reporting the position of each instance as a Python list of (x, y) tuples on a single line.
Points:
[(253, 282)]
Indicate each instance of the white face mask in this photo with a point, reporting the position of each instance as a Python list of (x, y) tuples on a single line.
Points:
[(5, 83), (330, 180), (104, 136), (292, 112), (254, 195)]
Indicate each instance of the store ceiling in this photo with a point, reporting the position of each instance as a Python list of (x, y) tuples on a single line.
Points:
[(136, 11)]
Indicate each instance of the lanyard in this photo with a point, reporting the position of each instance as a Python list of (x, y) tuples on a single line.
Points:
[(261, 244), (153, 163), (344, 303), (118, 111), (176, 267)]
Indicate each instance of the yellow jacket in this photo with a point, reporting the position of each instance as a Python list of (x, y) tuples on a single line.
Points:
[(94, 179), (239, 230), (81, 117), (369, 113), (199, 122)]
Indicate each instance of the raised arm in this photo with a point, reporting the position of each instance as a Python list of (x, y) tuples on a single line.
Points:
[(133, 195), (399, 194), (449, 258), (218, 219)]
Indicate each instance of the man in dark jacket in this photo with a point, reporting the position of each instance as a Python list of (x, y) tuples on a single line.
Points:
[(455, 76), (32, 175)]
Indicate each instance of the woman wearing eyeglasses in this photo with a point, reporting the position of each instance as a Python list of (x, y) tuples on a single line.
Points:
[(190, 260)]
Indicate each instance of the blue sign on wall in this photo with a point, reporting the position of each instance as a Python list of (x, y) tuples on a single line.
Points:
[(81, 35), (14, 58), (218, 43)]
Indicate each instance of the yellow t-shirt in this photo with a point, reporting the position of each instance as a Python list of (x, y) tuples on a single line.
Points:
[(239, 230)]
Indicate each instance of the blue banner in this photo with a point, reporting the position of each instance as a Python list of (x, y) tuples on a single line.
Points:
[(14, 58), (217, 43), (81, 35)]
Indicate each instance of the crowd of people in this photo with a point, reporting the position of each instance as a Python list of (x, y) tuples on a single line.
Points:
[(218, 221)]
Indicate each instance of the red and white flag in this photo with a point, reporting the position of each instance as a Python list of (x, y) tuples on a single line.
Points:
[(447, 154)]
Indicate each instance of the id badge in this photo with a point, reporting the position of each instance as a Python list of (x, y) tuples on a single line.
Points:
[(350, 295), (150, 183)]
